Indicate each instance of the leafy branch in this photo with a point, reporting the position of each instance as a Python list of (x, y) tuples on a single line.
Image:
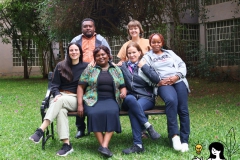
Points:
[(230, 144)]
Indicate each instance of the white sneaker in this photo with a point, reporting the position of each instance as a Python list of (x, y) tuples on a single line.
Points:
[(177, 145), (184, 147)]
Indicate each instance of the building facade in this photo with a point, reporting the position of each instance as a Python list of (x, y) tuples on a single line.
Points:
[(218, 32)]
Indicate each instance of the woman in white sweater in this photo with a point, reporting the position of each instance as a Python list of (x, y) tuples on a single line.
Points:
[(172, 88)]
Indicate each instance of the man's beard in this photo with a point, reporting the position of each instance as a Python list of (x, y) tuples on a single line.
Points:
[(88, 35)]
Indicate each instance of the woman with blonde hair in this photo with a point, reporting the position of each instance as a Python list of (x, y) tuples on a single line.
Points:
[(140, 97), (135, 34)]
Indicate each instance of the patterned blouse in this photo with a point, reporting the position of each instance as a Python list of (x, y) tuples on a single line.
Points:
[(89, 78)]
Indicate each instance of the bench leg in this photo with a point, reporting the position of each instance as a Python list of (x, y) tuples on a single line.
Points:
[(47, 135), (52, 130)]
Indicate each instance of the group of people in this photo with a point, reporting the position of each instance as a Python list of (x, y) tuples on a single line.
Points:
[(88, 82)]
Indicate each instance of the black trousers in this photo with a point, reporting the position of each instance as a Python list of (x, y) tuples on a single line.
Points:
[(80, 123)]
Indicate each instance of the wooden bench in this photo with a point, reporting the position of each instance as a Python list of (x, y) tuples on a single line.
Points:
[(155, 111), (49, 132)]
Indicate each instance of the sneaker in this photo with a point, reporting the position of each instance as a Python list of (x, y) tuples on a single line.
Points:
[(184, 147), (105, 151), (65, 150), (37, 136), (153, 134), (134, 149), (176, 143)]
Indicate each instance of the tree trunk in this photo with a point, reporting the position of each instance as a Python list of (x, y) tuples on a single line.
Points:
[(61, 50), (24, 57), (25, 65), (44, 63), (29, 56), (51, 60), (25, 60)]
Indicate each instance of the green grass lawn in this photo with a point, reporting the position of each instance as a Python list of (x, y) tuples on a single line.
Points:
[(214, 110)]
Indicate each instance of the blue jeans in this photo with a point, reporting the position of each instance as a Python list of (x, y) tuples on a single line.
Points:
[(176, 100), (136, 108)]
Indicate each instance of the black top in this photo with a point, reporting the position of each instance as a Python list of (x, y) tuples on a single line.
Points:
[(61, 83), (105, 85)]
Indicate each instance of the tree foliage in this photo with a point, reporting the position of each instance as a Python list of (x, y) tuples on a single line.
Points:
[(64, 17), (19, 24), (55, 20)]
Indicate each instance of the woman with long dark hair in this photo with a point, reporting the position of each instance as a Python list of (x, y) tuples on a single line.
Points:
[(216, 150), (64, 97)]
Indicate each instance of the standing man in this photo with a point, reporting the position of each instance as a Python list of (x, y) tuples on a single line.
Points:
[(88, 40)]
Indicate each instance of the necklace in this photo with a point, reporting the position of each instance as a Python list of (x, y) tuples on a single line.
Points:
[(105, 68)]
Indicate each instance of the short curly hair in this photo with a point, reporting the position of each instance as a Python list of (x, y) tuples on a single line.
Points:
[(160, 35), (97, 49)]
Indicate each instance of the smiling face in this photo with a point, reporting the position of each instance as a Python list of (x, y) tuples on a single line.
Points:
[(156, 43), (134, 31), (74, 52), (101, 58), (88, 28), (133, 54)]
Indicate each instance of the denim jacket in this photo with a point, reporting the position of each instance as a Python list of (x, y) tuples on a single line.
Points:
[(136, 85)]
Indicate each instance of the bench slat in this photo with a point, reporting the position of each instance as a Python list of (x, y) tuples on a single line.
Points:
[(156, 110)]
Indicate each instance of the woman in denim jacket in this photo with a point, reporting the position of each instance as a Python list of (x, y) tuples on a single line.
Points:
[(139, 98)]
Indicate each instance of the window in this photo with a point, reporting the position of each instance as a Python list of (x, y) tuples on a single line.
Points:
[(115, 44), (33, 55), (223, 39), (212, 2), (65, 45), (189, 4), (190, 37)]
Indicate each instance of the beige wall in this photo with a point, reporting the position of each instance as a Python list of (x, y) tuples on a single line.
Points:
[(218, 12), (6, 63), (188, 18), (222, 11)]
